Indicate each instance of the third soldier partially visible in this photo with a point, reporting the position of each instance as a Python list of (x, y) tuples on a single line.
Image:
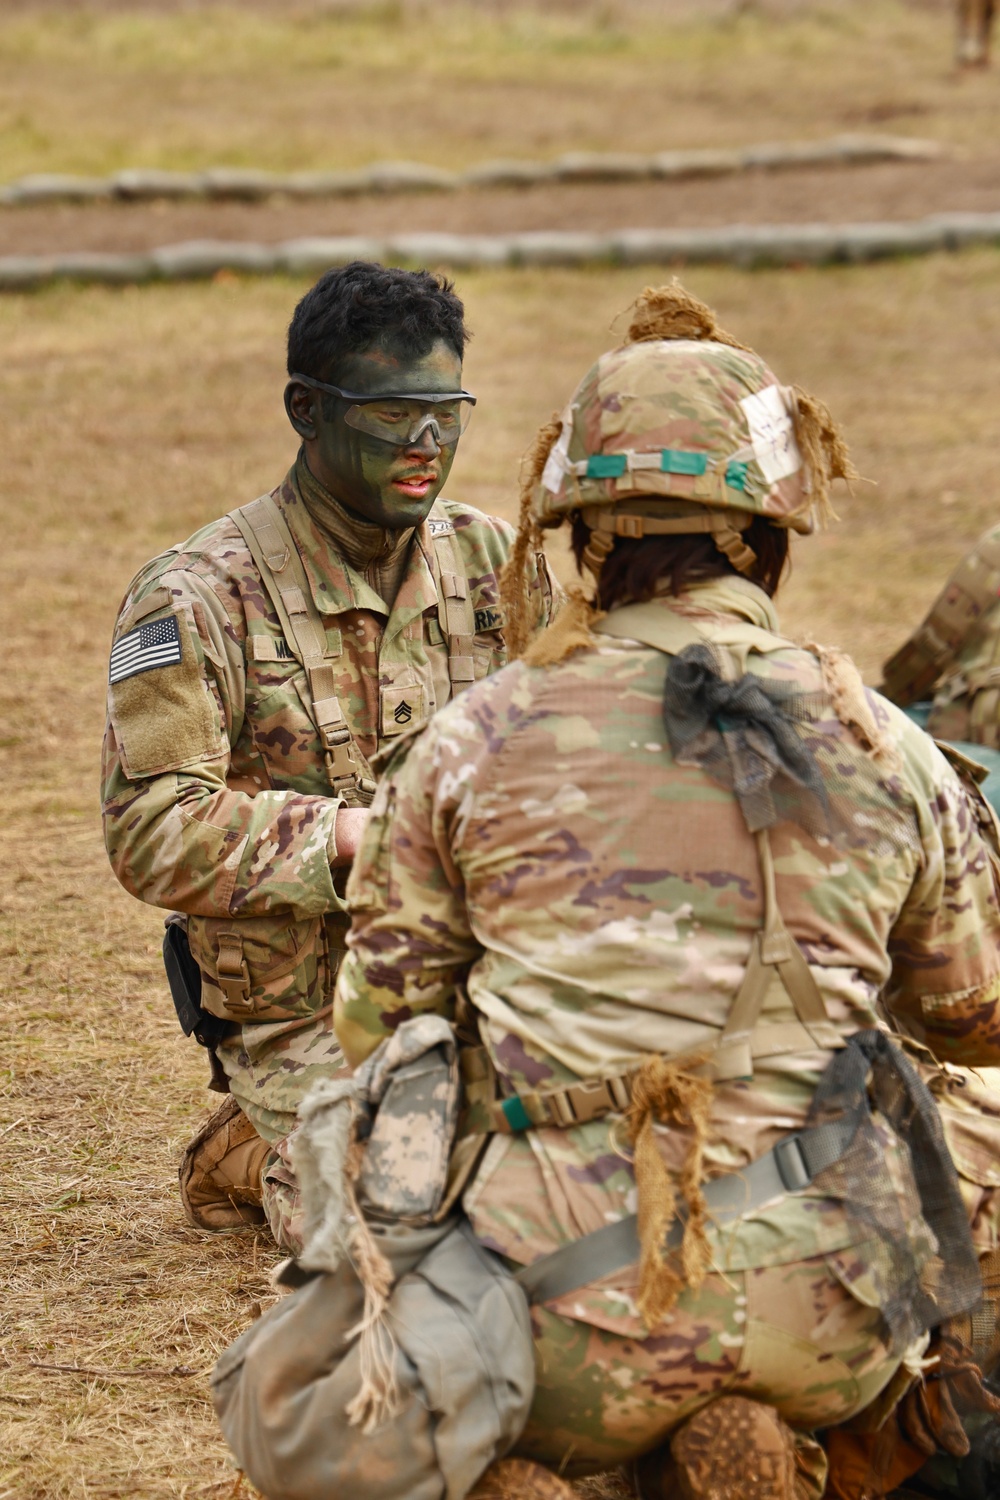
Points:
[(947, 674)]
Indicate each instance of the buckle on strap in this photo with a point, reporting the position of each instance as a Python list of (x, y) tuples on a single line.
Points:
[(233, 974), (791, 1163), (341, 763), (583, 1102), (576, 1105)]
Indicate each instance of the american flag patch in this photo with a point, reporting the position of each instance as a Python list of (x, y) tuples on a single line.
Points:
[(157, 644)]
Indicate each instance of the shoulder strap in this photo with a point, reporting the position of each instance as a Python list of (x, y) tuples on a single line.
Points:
[(272, 546), (455, 612), (774, 952), (953, 619)]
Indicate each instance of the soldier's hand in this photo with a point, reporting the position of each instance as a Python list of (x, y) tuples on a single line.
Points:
[(350, 827)]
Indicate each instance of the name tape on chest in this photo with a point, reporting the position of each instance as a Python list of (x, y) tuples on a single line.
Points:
[(489, 619), (145, 648), (441, 528), (269, 648)]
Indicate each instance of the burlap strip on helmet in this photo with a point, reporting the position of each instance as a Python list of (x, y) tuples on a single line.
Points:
[(663, 314)]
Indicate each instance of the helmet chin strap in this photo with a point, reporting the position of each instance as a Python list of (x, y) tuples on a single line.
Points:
[(732, 545), (596, 550), (724, 527)]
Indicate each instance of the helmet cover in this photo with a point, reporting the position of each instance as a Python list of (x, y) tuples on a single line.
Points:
[(693, 419)]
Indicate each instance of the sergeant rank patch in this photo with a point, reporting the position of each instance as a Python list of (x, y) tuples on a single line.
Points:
[(155, 645)]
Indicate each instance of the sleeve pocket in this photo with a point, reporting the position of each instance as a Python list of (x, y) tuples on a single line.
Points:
[(164, 717)]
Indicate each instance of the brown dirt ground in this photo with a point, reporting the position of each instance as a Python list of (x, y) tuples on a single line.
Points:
[(129, 419), (878, 191)]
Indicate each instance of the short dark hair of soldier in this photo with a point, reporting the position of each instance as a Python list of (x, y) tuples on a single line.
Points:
[(364, 306)]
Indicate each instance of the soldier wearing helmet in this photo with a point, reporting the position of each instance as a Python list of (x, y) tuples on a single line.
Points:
[(668, 874)]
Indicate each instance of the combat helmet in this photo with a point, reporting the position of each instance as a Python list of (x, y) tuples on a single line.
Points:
[(680, 430)]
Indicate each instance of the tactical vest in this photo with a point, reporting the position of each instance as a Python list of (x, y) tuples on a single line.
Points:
[(279, 968)]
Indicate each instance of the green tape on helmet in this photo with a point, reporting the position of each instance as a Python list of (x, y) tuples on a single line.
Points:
[(606, 465), (678, 419), (674, 462)]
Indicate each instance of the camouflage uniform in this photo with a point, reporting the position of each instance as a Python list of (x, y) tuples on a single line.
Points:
[(966, 706), (604, 913), (948, 671), (217, 801), (599, 902)]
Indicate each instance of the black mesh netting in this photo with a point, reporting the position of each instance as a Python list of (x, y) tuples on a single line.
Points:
[(921, 1278), (780, 751), (743, 734)]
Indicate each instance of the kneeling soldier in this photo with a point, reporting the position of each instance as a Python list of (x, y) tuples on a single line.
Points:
[(661, 875), (256, 669)]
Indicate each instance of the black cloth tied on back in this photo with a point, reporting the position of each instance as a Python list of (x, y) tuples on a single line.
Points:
[(743, 735)]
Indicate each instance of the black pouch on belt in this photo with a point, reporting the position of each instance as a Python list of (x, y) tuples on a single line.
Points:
[(184, 979)]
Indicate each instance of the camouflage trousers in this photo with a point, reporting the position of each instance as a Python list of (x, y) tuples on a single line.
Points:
[(282, 1201), (790, 1335), (270, 1069)]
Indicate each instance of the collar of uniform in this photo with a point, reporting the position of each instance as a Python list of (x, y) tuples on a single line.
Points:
[(335, 583), (336, 586), (732, 596), (418, 591)]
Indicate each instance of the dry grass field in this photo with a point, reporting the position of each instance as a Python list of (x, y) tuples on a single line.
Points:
[(130, 417), (299, 84)]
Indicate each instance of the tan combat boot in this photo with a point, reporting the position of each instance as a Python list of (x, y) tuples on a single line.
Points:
[(733, 1449), (220, 1173), (520, 1479)]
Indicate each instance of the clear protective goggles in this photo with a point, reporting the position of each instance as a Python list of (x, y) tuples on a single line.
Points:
[(403, 419)]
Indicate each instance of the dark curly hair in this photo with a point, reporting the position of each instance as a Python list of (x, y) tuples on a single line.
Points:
[(363, 306), (636, 569)]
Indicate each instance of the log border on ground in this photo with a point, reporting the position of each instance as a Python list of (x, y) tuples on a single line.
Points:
[(245, 184), (742, 245)]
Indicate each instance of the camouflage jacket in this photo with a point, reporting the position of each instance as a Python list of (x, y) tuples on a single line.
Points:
[(539, 843), (216, 797), (954, 654), (967, 700)]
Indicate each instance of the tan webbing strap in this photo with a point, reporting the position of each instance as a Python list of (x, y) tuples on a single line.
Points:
[(954, 618), (273, 549), (455, 611), (233, 974), (618, 522), (773, 953), (577, 1104)]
